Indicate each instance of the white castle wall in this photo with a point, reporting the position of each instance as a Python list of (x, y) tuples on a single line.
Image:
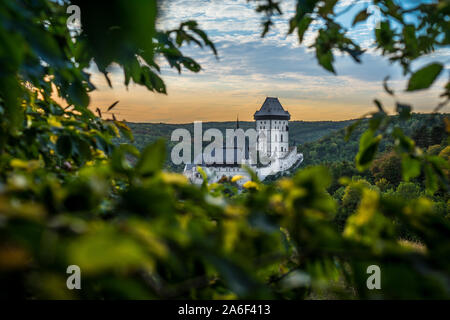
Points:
[(216, 173), (281, 164), (274, 137), (290, 162)]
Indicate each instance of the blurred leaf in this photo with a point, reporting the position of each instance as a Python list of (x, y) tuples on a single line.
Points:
[(431, 181), (405, 143), (325, 59), (361, 16), (424, 78), (404, 111), (410, 168), (368, 146), (303, 27), (152, 158), (386, 87), (379, 105), (106, 251), (64, 146), (113, 105), (124, 130)]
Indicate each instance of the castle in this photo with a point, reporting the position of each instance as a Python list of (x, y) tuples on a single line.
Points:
[(272, 128)]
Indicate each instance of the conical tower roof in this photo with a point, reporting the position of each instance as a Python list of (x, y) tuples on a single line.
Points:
[(272, 109)]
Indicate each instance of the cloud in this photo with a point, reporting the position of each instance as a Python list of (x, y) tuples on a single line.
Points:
[(251, 67)]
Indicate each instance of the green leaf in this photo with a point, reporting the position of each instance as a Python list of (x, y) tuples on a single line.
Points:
[(386, 87), (81, 148), (124, 130), (403, 142), (376, 120), (378, 104), (349, 130), (361, 16), (424, 78), (302, 27), (410, 168), (107, 250), (368, 147), (431, 180), (78, 95), (152, 158), (113, 105), (325, 59), (64, 146), (119, 162), (328, 7), (404, 111)]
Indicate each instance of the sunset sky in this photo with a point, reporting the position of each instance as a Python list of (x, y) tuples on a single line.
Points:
[(250, 68)]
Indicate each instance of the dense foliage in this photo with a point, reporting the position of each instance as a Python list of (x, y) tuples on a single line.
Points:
[(69, 196), (425, 129)]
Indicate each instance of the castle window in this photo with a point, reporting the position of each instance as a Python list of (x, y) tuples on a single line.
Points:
[(281, 136)]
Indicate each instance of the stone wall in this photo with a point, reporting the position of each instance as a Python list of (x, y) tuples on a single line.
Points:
[(290, 162), (282, 164)]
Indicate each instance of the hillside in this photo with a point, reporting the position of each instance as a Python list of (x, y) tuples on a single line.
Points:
[(300, 132), (319, 141), (425, 129)]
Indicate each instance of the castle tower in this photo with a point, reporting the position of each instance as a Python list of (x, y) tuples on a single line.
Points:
[(273, 128)]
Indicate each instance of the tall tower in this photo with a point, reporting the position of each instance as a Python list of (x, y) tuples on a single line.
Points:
[(273, 128)]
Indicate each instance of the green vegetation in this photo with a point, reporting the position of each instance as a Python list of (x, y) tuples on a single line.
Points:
[(147, 133), (70, 196), (425, 129)]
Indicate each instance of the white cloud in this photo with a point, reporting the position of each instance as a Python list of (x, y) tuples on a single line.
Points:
[(251, 68)]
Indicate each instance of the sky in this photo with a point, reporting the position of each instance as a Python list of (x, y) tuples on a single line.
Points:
[(250, 68)]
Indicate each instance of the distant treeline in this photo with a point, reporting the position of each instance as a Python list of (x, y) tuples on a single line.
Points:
[(319, 141), (425, 129), (299, 132)]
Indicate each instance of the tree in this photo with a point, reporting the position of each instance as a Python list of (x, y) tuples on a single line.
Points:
[(388, 166), (353, 194), (437, 134), (408, 190), (382, 184)]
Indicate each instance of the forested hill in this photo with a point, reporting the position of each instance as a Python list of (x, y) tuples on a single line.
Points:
[(426, 130), (319, 141), (299, 131)]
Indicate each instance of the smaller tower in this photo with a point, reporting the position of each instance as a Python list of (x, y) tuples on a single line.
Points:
[(272, 125)]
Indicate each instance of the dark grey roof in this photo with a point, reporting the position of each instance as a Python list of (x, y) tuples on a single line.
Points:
[(234, 153), (271, 109)]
